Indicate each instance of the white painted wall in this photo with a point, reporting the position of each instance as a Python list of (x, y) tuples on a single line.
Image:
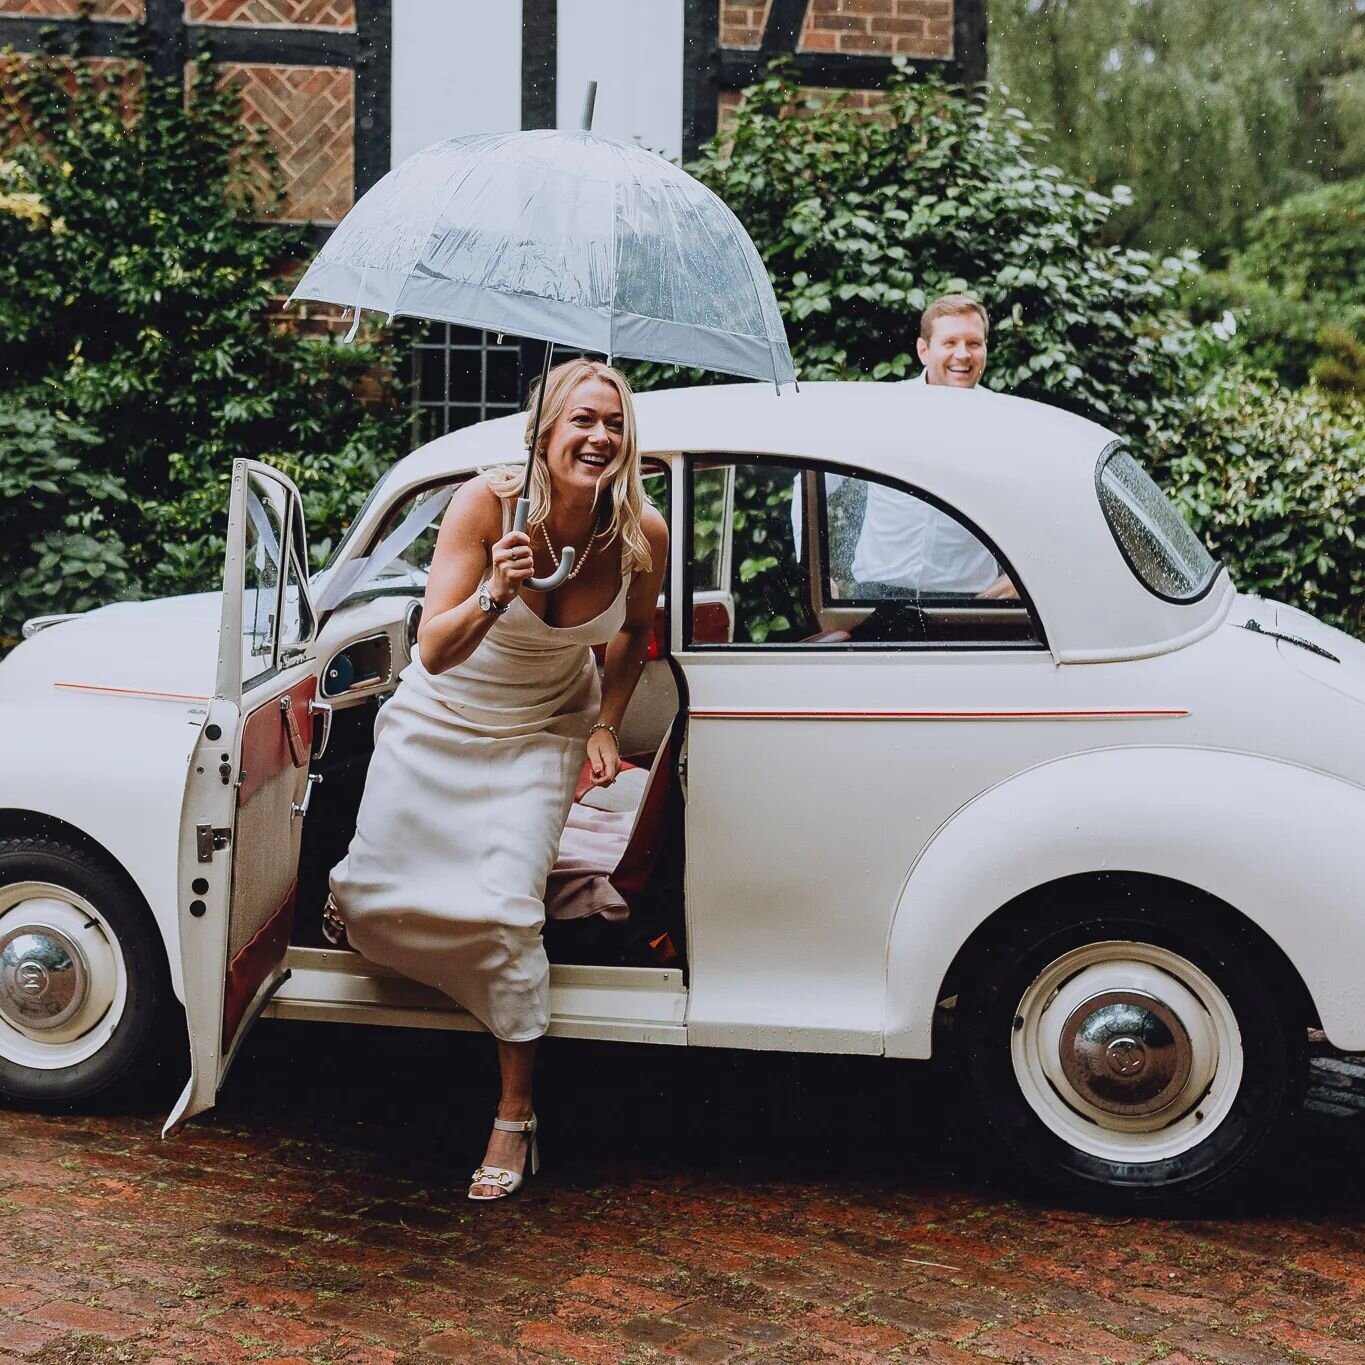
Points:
[(456, 69), (633, 49)]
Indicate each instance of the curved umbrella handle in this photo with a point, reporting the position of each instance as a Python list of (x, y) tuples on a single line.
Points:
[(566, 557)]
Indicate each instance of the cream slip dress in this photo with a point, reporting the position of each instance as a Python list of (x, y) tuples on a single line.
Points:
[(471, 782)]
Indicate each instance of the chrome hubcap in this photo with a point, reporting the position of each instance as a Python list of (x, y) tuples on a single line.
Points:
[(1126, 1053), (44, 979), (63, 978)]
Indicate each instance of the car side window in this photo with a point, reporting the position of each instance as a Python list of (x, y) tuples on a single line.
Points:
[(824, 557)]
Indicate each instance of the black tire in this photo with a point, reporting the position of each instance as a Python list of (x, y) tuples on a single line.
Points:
[(146, 1042), (1039, 963)]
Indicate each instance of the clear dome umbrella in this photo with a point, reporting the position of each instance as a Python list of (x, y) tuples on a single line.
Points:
[(565, 236)]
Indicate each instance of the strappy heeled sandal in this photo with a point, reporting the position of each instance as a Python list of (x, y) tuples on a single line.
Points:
[(508, 1182)]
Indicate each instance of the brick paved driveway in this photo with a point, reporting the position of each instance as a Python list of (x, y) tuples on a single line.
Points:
[(695, 1207)]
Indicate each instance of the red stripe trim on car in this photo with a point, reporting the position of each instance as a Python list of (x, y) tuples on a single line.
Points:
[(131, 692)]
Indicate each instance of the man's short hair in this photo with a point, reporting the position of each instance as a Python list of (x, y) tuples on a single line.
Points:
[(950, 306)]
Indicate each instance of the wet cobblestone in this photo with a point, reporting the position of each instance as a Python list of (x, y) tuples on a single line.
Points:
[(694, 1207)]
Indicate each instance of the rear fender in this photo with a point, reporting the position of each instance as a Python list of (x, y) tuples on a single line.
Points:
[(1280, 844)]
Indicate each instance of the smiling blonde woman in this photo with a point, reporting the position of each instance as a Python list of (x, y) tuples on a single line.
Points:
[(478, 753)]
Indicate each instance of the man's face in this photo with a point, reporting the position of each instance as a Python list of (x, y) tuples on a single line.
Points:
[(955, 353)]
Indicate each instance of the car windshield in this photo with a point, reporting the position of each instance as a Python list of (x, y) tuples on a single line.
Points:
[(1155, 539)]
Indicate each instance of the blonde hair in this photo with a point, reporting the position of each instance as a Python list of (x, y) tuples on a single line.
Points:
[(621, 478)]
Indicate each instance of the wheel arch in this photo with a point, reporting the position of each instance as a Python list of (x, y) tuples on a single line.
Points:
[(1273, 845), (1039, 903), (18, 823)]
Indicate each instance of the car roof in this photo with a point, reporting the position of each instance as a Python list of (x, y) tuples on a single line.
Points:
[(1022, 472), (908, 429)]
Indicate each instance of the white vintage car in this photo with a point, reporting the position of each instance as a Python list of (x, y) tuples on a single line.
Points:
[(1102, 845)]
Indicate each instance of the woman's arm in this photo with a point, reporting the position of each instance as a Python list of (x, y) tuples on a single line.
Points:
[(470, 538), (627, 652)]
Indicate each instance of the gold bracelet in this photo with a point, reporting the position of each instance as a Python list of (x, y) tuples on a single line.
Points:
[(602, 725)]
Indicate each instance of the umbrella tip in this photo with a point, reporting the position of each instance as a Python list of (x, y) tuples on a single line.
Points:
[(589, 100)]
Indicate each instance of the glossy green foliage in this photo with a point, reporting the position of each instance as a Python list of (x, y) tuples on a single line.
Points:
[(135, 287), (58, 551), (864, 218), (1274, 480)]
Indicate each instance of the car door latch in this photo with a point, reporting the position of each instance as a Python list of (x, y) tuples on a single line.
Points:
[(208, 840)]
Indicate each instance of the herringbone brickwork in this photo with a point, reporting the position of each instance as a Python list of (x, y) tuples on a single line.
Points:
[(892, 28), (261, 13), (70, 9), (309, 112)]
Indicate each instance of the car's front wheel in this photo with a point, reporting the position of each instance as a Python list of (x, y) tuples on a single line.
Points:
[(85, 998), (1130, 1051)]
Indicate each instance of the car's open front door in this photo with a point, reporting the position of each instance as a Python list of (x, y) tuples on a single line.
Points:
[(248, 784)]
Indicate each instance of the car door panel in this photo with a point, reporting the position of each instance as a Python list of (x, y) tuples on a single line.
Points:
[(276, 743), (247, 785)]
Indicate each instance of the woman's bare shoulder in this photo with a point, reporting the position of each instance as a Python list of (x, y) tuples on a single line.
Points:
[(476, 508), (654, 526)]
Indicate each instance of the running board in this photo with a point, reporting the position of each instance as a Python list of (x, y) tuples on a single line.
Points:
[(619, 1004)]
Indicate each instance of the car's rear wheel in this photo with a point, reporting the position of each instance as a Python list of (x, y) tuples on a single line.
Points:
[(1129, 1051), (86, 1008)]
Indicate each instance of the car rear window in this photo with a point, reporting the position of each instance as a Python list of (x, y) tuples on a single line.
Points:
[(1155, 539)]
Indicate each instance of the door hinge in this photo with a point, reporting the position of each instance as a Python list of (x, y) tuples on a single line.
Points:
[(208, 840)]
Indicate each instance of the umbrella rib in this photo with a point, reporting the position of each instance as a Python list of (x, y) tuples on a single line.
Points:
[(611, 300), (495, 140)]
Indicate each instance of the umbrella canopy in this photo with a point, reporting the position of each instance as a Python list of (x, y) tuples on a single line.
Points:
[(569, 237)]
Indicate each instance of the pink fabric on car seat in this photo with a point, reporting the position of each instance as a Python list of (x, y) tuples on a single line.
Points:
[(579, 883)]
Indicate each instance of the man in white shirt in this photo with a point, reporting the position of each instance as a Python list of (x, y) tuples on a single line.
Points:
[(905, 543)]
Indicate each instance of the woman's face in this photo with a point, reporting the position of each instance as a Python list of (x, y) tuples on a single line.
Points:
[(585, 441)]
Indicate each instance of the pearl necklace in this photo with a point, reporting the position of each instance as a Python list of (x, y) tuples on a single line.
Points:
[(581, 560)]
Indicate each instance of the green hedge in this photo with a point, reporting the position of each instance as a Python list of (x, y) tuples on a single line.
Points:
[(861, 218), (1274, 480), (136, 355), (1298, 289)]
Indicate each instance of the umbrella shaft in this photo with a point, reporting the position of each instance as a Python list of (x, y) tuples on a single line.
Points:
[(535, 425)]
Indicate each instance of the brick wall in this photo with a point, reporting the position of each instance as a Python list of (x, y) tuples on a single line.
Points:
[(892, 28), (729, 101), (308, 111), (126, 75), (273, 13), (70, 9), (831, 31), (908, 28), (741, 24), (310, 114)]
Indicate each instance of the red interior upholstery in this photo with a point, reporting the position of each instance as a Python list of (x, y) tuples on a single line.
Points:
[(265, 738), (710, 623), (255, 962), (647, 834)]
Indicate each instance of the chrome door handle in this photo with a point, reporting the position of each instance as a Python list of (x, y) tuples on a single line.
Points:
[(298, 809), (324, 709)]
